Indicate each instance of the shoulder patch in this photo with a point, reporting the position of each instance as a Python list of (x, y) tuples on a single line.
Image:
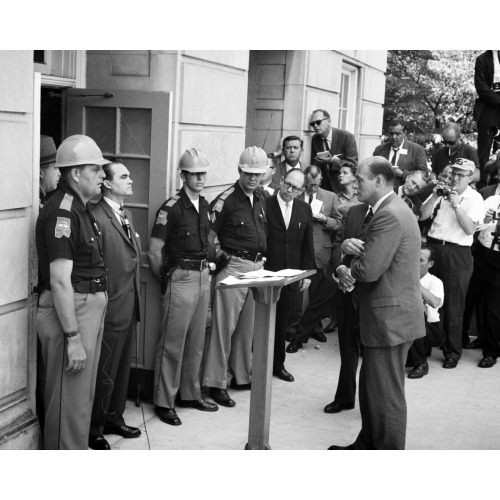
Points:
[(172, 201), (63, 227), (66, 202), (220, 202), (162, 218)]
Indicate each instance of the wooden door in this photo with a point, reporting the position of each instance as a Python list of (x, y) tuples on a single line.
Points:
[(135, 127)]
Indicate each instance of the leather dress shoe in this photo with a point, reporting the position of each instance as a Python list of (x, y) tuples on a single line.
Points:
[(319, 336), (221, 397), (168, 415), (198, 404), (487, 362), (123, 430), (283, 375), (419, 371), (331, 326), (335, 407), (293, 346), (473, 344), (450, 363), (240, 387), (98, 443)]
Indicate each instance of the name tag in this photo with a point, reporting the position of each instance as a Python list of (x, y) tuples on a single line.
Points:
[(403, 151)]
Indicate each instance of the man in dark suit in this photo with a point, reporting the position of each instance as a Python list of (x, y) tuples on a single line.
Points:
[(289, 246), (403, 154), (329, 148), (386, 269), (292, 151), (492, 189), (121, 251), (326, 221), (487, 105)]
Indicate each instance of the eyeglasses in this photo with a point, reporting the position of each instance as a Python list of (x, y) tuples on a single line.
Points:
[(450, 143), (310, 186), (460, 176), (317, 122), (287, 185)]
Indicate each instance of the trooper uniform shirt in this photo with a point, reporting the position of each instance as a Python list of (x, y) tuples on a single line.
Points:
[(238, 224), (66, 229), (184, 230)]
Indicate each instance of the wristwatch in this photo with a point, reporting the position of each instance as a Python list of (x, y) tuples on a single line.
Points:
[(73, 333), (458, 206)]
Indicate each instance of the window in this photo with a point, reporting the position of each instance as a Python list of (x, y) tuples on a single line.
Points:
[(348, 97)]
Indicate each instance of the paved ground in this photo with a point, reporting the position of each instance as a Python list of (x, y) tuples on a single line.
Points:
[(455, 409)]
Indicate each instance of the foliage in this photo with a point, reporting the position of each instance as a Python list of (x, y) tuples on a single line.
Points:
[(428, 88)]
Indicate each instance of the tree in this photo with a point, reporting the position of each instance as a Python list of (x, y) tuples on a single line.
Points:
[(428, 88)]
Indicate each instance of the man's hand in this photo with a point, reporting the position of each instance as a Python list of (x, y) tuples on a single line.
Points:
[(304, 284), (346, 280), (454, 199), (319, 218), (353, 246), (335, 159), (76, 355), (490, 213)]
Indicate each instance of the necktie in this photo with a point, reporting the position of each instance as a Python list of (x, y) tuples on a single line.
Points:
[(286, 215), (311, 197), (327, 147), (125, 223), (368, 217), (395, 151)]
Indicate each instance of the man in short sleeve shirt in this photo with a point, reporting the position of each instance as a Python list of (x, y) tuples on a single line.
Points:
[(454, 220), (238, 220), (72, 305)]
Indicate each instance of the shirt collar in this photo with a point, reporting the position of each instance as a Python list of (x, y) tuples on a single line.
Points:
[(282, 202), (379, 202), (115, 206), (66, 188)]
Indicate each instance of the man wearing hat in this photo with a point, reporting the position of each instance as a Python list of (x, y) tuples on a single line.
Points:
[(49, 173), (238, 220), (72, 304), (177, 253), (455, 215)]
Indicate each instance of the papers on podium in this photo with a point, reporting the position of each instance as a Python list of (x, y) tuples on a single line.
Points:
[(260, 275)]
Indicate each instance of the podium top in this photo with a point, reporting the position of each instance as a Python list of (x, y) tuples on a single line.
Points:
[(267, 282)]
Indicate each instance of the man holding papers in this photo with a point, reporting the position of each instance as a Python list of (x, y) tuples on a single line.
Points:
[(289, 245)]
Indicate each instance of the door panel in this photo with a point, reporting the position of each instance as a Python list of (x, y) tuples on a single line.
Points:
[(135, 127)]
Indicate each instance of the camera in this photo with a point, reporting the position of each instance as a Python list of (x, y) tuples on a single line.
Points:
[(443, 191), (494, 131), (496, 215), (495, 86)]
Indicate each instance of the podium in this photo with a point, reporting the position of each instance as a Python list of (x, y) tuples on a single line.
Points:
[(266, 294)]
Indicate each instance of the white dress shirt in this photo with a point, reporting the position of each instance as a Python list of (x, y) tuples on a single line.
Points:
[(435, 286)]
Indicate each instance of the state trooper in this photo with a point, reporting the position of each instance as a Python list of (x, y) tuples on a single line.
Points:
[(73, 301), (177, 253), (49, 173), (238, 220)]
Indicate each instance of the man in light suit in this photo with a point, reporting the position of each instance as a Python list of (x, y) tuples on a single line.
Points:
[(386, 269), (403, 155), (292, 151), (327, 220), (121, 252), (289, 246), (329, 148)]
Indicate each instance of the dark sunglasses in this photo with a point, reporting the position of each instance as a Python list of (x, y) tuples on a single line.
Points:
[(317, 122), (449, 143)]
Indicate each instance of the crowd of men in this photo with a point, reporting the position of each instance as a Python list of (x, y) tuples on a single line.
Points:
[(403, 267)]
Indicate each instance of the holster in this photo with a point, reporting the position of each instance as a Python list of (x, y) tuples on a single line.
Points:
[(165, 273), (221, 261)]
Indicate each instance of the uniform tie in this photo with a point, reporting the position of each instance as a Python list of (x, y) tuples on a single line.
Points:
[(368, 217), (286, 215)]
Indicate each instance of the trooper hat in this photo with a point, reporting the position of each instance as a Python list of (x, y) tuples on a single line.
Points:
[(464, 164), (47, 150), (79, 150), (193, 160), (253, 160)]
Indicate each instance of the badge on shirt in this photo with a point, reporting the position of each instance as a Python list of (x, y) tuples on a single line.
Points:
[(403, 151), (162, 218), (212, 218), (63, 227)]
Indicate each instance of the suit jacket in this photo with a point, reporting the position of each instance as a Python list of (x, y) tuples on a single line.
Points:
[(324, 233), (488, 102), (488, 191), (122, 259), (388, 277), (414, 159), (292, 248), (344, 143)]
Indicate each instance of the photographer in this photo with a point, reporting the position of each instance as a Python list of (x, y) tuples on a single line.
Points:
[(456, 210)]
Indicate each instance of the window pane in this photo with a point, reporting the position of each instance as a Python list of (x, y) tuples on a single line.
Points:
[(135, 131), (345, 91), (100, 124)]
